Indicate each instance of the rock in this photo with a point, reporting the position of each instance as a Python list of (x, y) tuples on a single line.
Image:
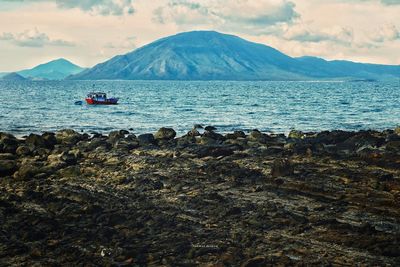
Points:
[(114, 136), (204, 140), (210, 128), (215, 151), (68, 137), (5, 156), (70, 171), (258, 261), (296, 134), (258, 137), (397, 130), (7, 167), (146, 139), (282, 167), (235, 135), (213, 135), (68, 158), (165, 134), (8, 144), (49, 139), (23, 151), (393, 145), (28, 170), (35, 141)]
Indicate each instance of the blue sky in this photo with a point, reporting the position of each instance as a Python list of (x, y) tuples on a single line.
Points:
[(91, 31)]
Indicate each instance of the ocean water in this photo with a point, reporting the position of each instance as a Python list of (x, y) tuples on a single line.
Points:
[(145, 106)]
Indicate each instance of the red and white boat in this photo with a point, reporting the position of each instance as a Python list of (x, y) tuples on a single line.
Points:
[(98, 98)]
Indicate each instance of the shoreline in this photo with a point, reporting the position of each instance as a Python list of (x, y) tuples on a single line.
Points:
[(255, 199)]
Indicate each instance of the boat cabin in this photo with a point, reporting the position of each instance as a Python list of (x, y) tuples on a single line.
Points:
[(97, 96)]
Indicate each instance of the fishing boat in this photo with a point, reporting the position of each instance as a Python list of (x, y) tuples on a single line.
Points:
[(99, 98)]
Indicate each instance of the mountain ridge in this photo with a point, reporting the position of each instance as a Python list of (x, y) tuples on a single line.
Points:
[(57, 69)]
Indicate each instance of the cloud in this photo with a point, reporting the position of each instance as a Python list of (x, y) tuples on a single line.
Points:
[(33, 38), (127, 43), (388, 32), (301, 33), (236, 14), (102, 7)]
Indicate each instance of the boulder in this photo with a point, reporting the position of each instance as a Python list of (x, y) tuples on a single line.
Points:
[(7, 167), (8, 144), (146, 139), (282, 167), (68, 137), (114, 136), (393, 146), (235, 135), (28, 170), (257, 136), (35, 141), (397, 130), (165, 134), (294, 134), (23, 151)]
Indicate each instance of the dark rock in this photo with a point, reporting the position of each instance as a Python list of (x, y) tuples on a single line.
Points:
[(7, 167), (235, 135), (210, 128), (146, 139), (165, 134), (282, 167), (68, 158), (28, 170), (296, 134), (215, 151), (68, 137), (23, 150), (35, 141), (393, 146), (258, 261), (8, 144), (114, 136)]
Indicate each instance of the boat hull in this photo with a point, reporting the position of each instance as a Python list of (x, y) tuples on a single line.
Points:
[(110, 101)]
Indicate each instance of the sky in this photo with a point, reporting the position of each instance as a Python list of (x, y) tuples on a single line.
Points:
[(88, 32)]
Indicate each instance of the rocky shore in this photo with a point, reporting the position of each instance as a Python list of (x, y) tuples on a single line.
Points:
[(238, 199)]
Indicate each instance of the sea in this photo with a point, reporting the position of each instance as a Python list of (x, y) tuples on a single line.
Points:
[(145, 106)]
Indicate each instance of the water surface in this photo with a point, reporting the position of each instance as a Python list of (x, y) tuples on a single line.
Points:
[(145, 106)]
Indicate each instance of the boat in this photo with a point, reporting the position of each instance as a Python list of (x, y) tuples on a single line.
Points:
[(99, 98)]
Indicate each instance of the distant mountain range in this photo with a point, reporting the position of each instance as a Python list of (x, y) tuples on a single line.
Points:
[(13, 76), (209, 55), (57, 69)]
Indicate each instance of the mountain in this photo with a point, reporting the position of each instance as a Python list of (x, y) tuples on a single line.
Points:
[(54, 70), (13, 77), (209, 55)]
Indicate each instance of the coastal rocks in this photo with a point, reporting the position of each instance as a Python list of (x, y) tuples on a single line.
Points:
[(282, 167), (165, 134), (194, 200), (397, 130)]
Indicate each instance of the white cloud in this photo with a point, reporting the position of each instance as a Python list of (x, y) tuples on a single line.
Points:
[(102, 7), (33, 38), (388, 32), (302, 33), (238, 15)]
